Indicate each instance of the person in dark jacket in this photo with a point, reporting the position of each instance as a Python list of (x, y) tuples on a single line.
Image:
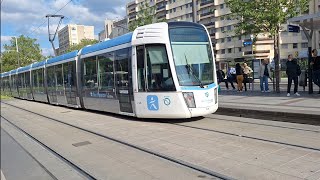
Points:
[(239, 73), (316, 68), (293, 71)]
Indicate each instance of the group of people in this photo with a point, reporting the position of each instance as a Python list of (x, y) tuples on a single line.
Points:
[(293, 72), (241, 73)]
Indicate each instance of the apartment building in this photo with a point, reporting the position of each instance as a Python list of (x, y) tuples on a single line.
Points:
[(73, 34), (113, 28), (230, 47), (200, 11), (107, 29)]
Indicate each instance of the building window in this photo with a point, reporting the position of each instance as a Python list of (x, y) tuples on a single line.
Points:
[(222, 29), (170, 10), (223, 51), (222, 40), (229, 28), (295, 45), (239, 38), (174, 9), (240, 49), (187, 5), (229, 50), (222, 18), (221, 6), (304, 45), (284, 46), (229, 39), (181, 7), (190, 4)]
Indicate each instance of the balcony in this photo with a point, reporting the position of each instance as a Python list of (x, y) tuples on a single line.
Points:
[(206, 2), (205, 14), (162, 16), (209, 24), (132, 17), (159, 1), (163, 7)]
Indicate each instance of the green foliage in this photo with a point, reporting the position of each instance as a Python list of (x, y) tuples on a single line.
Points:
[(28, 52), (146, 15), (83, 43), (264, 16)]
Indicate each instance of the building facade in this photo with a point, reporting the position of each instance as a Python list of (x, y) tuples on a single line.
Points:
[(200, 11), (72, 34), (228, 46), (113, 28)]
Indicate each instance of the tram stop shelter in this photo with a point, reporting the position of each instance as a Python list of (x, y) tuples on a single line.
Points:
[(309, 24)]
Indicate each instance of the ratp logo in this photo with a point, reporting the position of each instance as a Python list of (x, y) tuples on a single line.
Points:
[(153, 103)]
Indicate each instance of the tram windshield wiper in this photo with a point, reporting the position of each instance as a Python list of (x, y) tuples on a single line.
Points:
[(191, 70)]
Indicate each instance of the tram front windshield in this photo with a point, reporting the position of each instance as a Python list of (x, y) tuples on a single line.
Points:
[(192, 56)]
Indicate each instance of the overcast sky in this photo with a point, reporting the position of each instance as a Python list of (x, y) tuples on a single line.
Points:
[(27, 17)]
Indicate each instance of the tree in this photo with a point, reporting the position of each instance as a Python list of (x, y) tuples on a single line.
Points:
[(146, 15), (83, 43), (266, 17), (28, 52)]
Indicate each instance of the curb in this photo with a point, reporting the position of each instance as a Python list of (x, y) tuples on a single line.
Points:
[(300, 118)]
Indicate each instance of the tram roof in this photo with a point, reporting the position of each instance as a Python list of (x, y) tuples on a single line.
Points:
[(25, 68), (5, 74), (107, 44), (63, 57), (13, 71), (38, 64)]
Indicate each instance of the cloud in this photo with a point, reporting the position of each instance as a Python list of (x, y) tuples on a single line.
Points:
[(27, 17), (47, 51)]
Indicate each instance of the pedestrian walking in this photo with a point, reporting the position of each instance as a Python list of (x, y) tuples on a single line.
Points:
[(230, 77), (316, 68), (246, 72), (239, 73), (264, 74), (293, 71)]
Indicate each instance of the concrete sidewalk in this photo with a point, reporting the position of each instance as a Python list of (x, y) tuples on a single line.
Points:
[(271, 106)]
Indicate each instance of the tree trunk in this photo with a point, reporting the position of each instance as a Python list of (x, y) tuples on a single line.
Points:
[(277, 60)]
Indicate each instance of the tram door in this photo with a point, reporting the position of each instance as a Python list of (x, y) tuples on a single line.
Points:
[(69, 82), (123, 79)]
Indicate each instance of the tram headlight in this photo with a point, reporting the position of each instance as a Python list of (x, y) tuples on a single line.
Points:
[(189, 99)]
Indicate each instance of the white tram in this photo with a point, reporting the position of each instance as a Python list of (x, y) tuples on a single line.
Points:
[(163, 70)]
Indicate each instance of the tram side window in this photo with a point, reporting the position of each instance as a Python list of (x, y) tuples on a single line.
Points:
[(158, 69), (51, 79), (69, 70), (140, 68), (59, 79), (105, 73), (121, 68), (40, 78), (90, 73), (35, 85), (27, 76)]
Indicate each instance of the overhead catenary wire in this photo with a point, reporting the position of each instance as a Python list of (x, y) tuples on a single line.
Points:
[(44, 22)]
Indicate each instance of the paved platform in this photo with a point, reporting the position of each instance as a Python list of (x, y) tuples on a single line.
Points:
[(234, 156), (272, 106)]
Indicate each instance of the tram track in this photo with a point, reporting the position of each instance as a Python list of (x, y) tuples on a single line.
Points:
[(163, 156), (74, 166), (247, 137), (268, 125)]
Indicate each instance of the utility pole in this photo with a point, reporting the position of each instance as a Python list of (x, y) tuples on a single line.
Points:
[(53, 36), (17, 51)]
